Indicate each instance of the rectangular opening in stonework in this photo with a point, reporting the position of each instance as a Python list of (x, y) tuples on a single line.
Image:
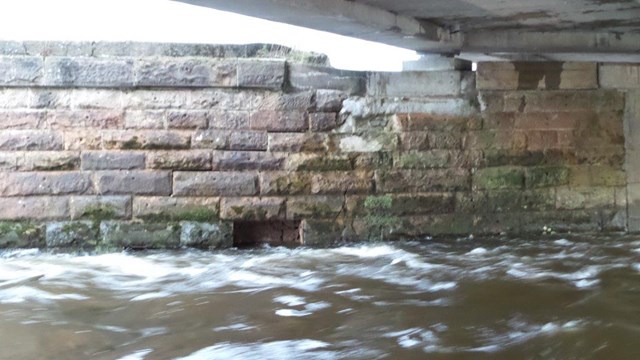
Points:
[(247, 234)]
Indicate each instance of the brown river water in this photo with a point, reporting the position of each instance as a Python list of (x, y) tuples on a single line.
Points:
[(573, 297)]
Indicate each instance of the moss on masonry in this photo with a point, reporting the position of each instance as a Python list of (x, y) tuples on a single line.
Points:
[(200, 215)]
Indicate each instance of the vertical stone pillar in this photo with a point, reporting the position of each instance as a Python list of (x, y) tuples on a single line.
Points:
[(632, 158)]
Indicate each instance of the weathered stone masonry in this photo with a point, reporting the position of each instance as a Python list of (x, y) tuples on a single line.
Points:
[(163, 146)]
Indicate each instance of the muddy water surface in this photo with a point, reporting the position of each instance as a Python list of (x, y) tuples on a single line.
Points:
[(557, 298)]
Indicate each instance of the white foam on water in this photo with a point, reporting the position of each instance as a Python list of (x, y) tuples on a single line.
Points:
[(290, 300), (138, 355), (277, 350), (20, 294), (151, 296), (234, 327), (563, 242), (292, 313), (367, 251), (478, 251)]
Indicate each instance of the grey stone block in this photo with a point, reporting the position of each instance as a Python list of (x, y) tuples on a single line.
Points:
[(71, 234), (31, 140), (187, 72), (88, 72), (306, 77), (133, 182), (34, 208), (45, 183), (100, 160), (100, 207), (207, 235), (139, 235), (21, 71), (265, 74)]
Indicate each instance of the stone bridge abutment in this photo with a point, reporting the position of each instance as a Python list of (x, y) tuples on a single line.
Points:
[(165, 146)]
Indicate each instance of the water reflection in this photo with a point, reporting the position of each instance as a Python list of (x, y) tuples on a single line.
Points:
[(562, 298)]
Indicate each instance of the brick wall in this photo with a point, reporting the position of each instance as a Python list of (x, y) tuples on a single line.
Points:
[(160, 145)]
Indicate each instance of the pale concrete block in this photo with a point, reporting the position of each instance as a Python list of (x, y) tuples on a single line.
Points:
[(536, 76), (415, 84), (619, 76)]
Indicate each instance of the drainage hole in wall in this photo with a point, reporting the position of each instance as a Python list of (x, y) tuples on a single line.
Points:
[(250, 234)]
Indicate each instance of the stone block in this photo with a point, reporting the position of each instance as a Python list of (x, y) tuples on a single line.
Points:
[(562, 101), (158, 209), (596, 176), (536, 177), (330, 100), (218, 235), (323, 121), (321, 233), (185, 160), (138, 182), (112, 160), (504, 177), (23, 234), (145, 119), (403, 181), (365, 142), (401, 204), (318, 162), (414, 84), (253, 208), (619, 76), (415, 140), (298, 142), (107, 99), (247, 160), (31, 140), (34, 208), (214, 184), (100, 207), (433, 122), (536, 76), (186, 72), (296, 101), (315, 207), (48, 160), (45, 183), (145, 140), (263, 74), (279, 121), (99, 119), (430, 159), (88, 72), (339, 182), (21, 71), (139, 236), (21, 119), (228, 119), (82, 139), (187, 119), (500, 201), (305, 77), (230, 140), (285, 183), (71, 234)]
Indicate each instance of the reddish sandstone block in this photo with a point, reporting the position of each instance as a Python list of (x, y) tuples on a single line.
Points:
[(133, 182), (45, 183), (352, 182), (214, 184), (179, 160), (279, 121)]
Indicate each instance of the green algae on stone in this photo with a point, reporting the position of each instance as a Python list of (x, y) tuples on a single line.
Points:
[(76, 234), (504, 177), (131, 235), (21, 235), (196, 214)]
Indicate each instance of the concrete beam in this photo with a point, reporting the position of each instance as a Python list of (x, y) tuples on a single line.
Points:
[(346, 18)]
